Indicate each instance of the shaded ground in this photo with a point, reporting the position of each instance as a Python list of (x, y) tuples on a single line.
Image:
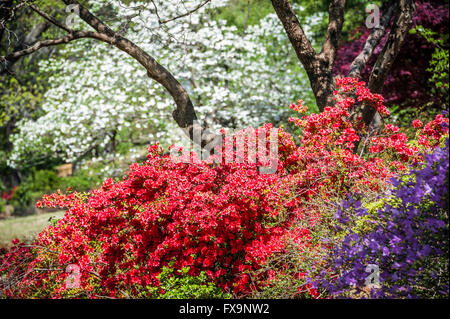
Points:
[(25, 228)]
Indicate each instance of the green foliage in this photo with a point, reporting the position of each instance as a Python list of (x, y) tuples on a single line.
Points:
[(180, 285), (18, 98), (32, 188), (403, 116), (439, 64), (242, 13), (2, 205), (82, 181), (22, 87), (40, 182)]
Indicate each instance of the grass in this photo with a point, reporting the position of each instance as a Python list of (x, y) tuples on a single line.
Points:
[(25, 228)]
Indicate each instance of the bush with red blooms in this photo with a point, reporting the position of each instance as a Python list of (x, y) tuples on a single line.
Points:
[(222, 218), (408, 81)]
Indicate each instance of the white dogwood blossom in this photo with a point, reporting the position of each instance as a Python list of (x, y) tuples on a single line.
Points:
[(99, 96)]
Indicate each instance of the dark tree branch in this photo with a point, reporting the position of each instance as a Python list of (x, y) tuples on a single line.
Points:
[(49, 18), (371, 43), (318, 66), (323, 85), (5, 14), (335, 23), (181, 15), (8, 10), (31, 38), (51, 42), (402, 24), (303, 48), (382, 67), (184, 114)]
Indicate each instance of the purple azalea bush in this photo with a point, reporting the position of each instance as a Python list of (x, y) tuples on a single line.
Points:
[(407, 241)]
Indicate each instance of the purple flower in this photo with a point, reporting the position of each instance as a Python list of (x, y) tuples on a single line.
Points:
[(404, 237)]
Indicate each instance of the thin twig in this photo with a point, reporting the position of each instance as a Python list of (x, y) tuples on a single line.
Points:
[(180, 16), (50, 19)]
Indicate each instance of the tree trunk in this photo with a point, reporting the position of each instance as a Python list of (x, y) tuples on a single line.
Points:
[(318, 66), (322, 84), (184, 114), (383, 65)]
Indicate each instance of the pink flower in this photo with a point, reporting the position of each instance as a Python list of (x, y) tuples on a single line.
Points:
[(417, 124)]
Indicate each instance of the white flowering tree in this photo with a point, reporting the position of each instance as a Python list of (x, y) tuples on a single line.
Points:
[(100, 98), (168, 40)]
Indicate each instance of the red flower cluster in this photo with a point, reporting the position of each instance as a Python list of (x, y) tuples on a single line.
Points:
[(223, 218), (325, 159), (430, 135), (363, 94), (10, 194)]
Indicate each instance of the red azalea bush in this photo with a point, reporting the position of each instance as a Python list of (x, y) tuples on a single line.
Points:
[(224, 219)]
